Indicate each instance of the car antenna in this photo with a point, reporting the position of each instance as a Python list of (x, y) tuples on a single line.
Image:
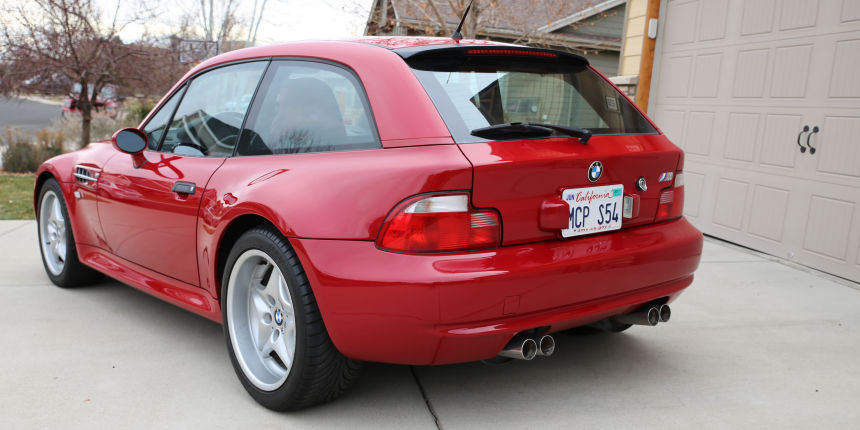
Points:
[(457, 35)]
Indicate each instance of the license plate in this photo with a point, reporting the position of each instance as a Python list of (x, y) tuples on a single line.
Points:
[(594, 209)]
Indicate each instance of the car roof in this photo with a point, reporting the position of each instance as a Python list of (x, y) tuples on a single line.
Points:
[(389, 43)]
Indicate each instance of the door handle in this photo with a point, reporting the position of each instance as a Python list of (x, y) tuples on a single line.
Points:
[(186, 188), (814, 131), (799, 136)]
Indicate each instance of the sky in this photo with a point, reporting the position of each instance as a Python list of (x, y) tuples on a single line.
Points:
[(283, 21)]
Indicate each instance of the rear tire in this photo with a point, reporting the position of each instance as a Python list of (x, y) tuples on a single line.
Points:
[(57, 243), (275, 335)]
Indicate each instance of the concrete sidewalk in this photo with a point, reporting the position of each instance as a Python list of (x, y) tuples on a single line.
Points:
[(752, 344)]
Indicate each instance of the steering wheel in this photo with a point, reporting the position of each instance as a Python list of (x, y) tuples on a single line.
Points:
[(202, 149), (228, 119)]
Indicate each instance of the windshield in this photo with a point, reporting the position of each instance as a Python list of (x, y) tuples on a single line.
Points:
[(476, 96)]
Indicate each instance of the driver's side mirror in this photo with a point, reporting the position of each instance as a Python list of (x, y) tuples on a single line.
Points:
[(131, 141)]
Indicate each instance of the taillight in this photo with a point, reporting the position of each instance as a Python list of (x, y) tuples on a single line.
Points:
[(440, 223), (671, 205)]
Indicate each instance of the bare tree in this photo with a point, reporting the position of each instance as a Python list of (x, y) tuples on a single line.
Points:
[(219, 21), (46, 41)]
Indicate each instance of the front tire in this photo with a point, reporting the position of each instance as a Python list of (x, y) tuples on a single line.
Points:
[(275, 335), (57, 243)]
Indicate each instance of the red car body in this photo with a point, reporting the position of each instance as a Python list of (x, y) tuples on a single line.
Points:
[(378, 305)]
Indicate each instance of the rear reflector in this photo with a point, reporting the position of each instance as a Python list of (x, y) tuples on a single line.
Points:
[(671, 205), (440, 223)]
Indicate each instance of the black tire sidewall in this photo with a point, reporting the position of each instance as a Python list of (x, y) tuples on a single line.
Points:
[(262, 240), (61, 279)]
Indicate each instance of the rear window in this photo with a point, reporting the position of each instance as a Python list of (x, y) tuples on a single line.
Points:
[(477, 91)]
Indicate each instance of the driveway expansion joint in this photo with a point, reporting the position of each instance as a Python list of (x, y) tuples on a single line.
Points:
[(426, 399)]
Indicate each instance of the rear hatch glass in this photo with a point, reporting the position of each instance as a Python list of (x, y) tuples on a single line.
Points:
[(519, 115)]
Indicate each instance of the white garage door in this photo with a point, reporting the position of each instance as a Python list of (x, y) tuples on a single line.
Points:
[(737, 84)]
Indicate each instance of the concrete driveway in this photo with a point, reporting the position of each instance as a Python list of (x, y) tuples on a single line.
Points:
[(753, 344)]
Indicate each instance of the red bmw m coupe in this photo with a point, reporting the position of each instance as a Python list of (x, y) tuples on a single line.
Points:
[(400, 200)]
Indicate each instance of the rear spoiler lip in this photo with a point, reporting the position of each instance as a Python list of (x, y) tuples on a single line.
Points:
[(413, 52)]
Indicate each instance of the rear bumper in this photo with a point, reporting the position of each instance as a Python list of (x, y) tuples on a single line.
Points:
[(437, 309)]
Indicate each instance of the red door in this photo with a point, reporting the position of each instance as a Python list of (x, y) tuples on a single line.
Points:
[(149, 215)]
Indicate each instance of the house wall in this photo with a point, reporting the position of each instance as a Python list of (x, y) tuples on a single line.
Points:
[(605, 61), (605, 24), (631, 50)]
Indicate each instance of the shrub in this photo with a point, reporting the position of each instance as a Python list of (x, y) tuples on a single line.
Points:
[(21, 155), (50, 143), (137, 110)]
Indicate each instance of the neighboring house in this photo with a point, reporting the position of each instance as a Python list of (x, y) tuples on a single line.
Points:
[(587, 27), (748, 88)]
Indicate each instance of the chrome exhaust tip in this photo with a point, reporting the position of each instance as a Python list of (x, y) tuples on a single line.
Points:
[(647, 316), (546, 345), (520, 348), (665, 313)]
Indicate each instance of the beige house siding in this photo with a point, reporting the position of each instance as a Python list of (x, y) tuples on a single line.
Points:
[(631, 50)]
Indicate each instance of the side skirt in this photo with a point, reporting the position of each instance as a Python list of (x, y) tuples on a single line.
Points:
[(173, 291)]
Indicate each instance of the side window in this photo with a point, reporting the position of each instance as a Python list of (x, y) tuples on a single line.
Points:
[(306, 106), (209, 118), (154, 129)]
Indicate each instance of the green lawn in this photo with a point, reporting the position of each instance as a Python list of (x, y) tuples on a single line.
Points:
[(16, 196)]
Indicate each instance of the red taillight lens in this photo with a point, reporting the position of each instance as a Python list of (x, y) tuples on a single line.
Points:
[(440, 223), (671, 204)]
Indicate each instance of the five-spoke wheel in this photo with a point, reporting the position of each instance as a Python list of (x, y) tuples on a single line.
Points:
[(275, 334), (261, 320), (52, 231), (57, 242)]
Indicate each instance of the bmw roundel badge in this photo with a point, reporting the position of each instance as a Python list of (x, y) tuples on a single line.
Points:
[(595, 171)]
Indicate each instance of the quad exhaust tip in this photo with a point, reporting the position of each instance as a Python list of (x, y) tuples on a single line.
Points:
[(665, 313), (526, 347), (546, 345), (520, 348), (648, 316)]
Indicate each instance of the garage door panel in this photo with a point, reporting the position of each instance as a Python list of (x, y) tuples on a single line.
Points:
[(700, 132), (730, 202), (741, 136), (706, 78), (757, 17), (766, 202), (791, 71), (750, 73), (858, 256), (845, 81), (850, 10), (672, 124), (676, 80), (779, 145), (712, 19), (838, 146), (798, 14), (681, 22), (827, 227)]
